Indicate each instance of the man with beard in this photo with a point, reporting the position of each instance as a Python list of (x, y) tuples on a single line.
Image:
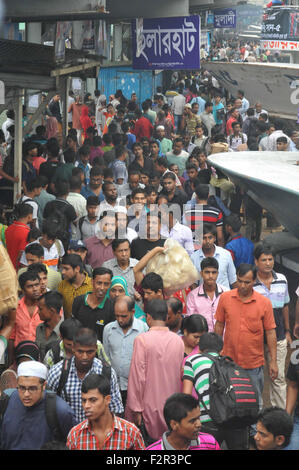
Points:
[(75, 281), (165, 144), (94, 188), (94, 310), (99, 247), (118, 340), (111, 201), (173, 194), (82, 364)]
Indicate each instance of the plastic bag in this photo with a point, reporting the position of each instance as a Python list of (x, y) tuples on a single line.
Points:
[(174, 266), (8, 284)]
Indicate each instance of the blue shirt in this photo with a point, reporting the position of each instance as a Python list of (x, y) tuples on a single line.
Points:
[(227, 271), (119, 347), (278, 294), (241, 250), (86, 169), (215, 109), (26, 428), (201, 103), (86, 191), (74, 383)]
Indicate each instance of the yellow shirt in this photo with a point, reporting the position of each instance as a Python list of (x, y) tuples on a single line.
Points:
[(70, 292)]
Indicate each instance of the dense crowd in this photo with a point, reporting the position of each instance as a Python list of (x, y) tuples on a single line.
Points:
[(105, 350), (240, 50)]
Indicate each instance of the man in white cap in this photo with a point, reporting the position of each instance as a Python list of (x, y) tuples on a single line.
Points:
[(28, 417), (165, 144), (100, 110)]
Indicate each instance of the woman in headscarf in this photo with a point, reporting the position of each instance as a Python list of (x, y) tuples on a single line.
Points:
[(118, 288)]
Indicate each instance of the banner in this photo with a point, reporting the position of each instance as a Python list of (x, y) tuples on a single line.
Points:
[(225, 18), (166, 43), (281, 24)]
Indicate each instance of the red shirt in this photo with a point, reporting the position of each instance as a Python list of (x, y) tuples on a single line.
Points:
[(123, 436), (16, 240), (229, 125), (143, 128)]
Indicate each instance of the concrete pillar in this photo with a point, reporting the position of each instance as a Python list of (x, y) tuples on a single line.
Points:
[(34, 32), (18, 108)]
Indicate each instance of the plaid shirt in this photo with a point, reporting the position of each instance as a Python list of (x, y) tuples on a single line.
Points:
[(123, 436), (73, 387)]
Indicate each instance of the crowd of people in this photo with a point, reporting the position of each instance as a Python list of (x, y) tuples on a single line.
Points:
[(98, 355), (240, 50)]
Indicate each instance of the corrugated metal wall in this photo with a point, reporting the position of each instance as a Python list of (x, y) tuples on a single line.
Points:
[(143, 83)]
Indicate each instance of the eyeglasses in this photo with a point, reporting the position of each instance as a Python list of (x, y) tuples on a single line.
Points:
[(30, 389)]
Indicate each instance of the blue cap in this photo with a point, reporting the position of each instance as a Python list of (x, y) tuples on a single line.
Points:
[(76, 245)]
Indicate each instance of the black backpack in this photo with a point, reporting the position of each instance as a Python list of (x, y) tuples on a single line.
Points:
[(253, 131), (58, 220), (234, 401), (106, 371), (51, 414)]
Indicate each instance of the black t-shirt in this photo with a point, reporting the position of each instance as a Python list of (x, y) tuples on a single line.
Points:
[(48, 169), (140, 247), (93, 318), (148, 166), (293, 374), (180, 198)]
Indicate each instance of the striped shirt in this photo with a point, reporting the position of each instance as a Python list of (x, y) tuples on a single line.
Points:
[(279, 297), (197, 214), (203, 442), (74, 383), (197, 369), (123, 436)]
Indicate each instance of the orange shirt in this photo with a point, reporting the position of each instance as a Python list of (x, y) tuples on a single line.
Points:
[(25, 325), (245, 323)]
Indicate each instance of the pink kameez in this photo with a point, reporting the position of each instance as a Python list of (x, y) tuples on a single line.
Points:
[(155, 374)]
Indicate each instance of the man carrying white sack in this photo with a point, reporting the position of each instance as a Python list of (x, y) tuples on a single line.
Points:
[(28, 414)]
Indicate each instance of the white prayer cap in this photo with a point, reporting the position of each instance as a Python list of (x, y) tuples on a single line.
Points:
[(32, 369), (161, 127)]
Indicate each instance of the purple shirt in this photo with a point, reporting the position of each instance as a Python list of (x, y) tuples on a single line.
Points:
[(199, 302), (97, 252)]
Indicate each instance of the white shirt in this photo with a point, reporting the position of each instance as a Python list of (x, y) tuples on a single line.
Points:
[(70, 101), (34, 205), (105, 206), (273, 137), (234, 141), (178, 104), (50, 254), (181, 234)]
